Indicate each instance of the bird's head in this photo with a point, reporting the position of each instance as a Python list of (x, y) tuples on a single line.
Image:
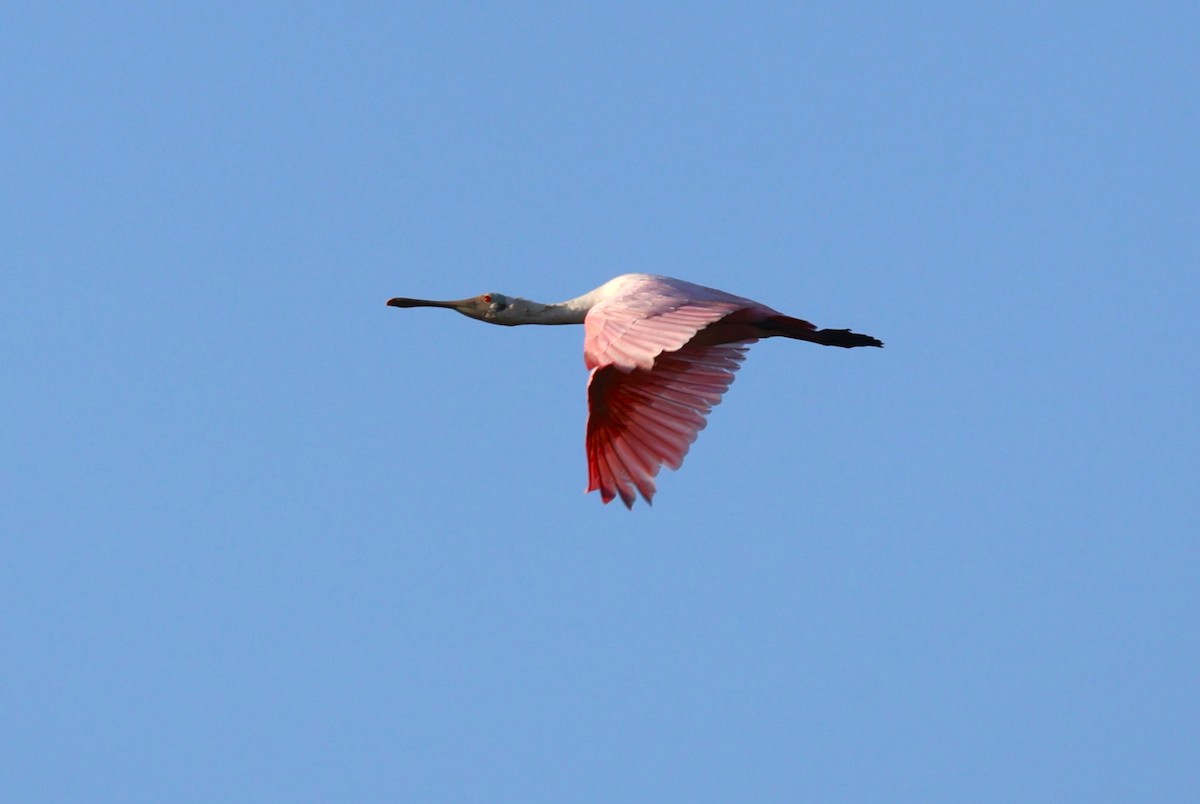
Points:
[(494, 308)]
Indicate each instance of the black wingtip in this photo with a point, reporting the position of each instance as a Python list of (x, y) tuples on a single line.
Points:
[(844, 338)]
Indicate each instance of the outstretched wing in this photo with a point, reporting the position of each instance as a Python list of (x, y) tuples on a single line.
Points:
[(641, 419), (652, 379)]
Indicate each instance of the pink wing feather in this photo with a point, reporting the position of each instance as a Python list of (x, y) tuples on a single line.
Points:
[(650, 388)]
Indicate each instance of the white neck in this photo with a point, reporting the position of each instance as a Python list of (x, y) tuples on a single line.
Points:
[(572, 311)]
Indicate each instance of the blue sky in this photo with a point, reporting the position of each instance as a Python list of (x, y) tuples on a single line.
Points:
[(268, 539)]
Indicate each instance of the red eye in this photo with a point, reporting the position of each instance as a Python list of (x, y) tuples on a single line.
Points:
[(487, 297)]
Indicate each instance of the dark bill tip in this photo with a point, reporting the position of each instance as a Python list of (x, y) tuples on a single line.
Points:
[(400, 301)]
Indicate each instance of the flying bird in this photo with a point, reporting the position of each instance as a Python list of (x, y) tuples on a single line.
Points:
[(660, 353)]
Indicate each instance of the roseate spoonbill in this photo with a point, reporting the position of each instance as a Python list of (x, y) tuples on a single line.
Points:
[(661, 352)]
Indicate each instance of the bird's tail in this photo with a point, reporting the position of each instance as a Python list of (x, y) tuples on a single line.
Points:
[(802, 330)]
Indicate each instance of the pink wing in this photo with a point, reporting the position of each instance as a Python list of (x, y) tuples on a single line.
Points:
[(641, 420), (650, 388)]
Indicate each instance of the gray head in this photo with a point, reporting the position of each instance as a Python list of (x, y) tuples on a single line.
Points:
[(494, 308)]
